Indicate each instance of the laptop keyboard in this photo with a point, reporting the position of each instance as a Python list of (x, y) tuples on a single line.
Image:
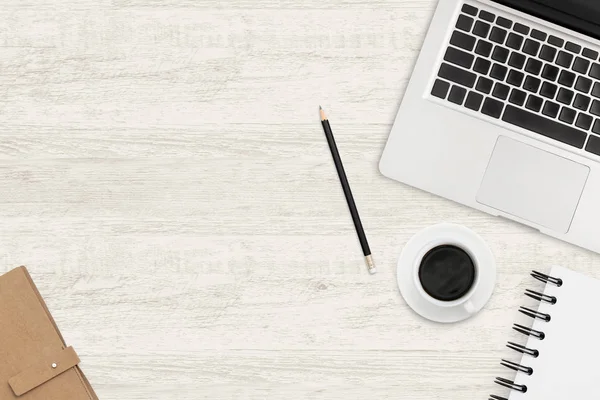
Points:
[(525, 77)]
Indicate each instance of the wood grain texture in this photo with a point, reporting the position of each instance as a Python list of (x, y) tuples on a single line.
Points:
[(165, 178)]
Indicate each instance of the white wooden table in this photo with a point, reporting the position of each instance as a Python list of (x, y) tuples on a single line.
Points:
[(165, 178)]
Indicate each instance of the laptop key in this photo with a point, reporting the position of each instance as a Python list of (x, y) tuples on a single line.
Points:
[(550, 72), (481, 29), (596, 127), (464, 23), (534, 66), (589, 53), (470, 10), (457, 94), (544, 126), (492, 107), (539, 35), (514, 41), (580, 65), (484, 48), (517, 97), (567, 115), (459, 57), (521, 29), (534, 103), (595, 108), (500, 54), (564, 59), (482, 66), (462, 40), (532, 84), (487, 16), (556, 41), (457, 75), (551, 109), (515, 78), (595, 71), (517, 60), (596, 90), (565, 96), (498, 72), (548, 90), (584, 121), (498, 35), (581, 102), (484, 85), (548, 53), (573, 48), (474, 101), (501, 91), (584, 85), (566, 78), (504, 22), (531, 47), (593, 145)]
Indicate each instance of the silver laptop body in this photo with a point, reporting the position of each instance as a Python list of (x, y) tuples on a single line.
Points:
[(502, 114)]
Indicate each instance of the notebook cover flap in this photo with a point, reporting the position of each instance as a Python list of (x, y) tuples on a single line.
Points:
[(29, 338)]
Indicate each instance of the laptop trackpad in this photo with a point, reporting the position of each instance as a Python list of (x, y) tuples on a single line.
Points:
[(532, 184)]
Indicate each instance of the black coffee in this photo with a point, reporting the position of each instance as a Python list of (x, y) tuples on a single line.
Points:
[(447, 273)]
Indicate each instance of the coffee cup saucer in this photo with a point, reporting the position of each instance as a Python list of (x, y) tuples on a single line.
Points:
[(412, 291)]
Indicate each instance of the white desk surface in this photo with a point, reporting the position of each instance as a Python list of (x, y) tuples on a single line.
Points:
[(164, 176)]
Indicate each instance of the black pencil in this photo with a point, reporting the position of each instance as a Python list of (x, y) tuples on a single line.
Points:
[(347, 192)]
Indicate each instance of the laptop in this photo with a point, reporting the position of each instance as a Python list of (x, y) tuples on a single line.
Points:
[(502, 114)]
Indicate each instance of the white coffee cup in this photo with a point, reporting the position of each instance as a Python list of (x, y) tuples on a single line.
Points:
[(465, 300), (468, 304)]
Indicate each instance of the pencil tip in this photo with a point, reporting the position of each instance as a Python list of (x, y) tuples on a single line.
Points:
[(323, 116)]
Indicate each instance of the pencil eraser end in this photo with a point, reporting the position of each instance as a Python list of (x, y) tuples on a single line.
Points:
[(370, 264)]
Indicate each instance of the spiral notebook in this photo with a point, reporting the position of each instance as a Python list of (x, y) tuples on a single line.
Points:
[(559, 360)]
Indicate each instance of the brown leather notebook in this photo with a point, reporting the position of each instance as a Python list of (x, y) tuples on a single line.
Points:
[(35, 363)]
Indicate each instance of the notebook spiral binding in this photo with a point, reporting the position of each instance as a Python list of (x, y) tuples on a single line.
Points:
[(529, 332)]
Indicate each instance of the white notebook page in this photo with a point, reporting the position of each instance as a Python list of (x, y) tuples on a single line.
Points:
[(568, 364)]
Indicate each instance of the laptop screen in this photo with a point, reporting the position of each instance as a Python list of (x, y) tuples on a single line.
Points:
[(588, 10), (579, 15)]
